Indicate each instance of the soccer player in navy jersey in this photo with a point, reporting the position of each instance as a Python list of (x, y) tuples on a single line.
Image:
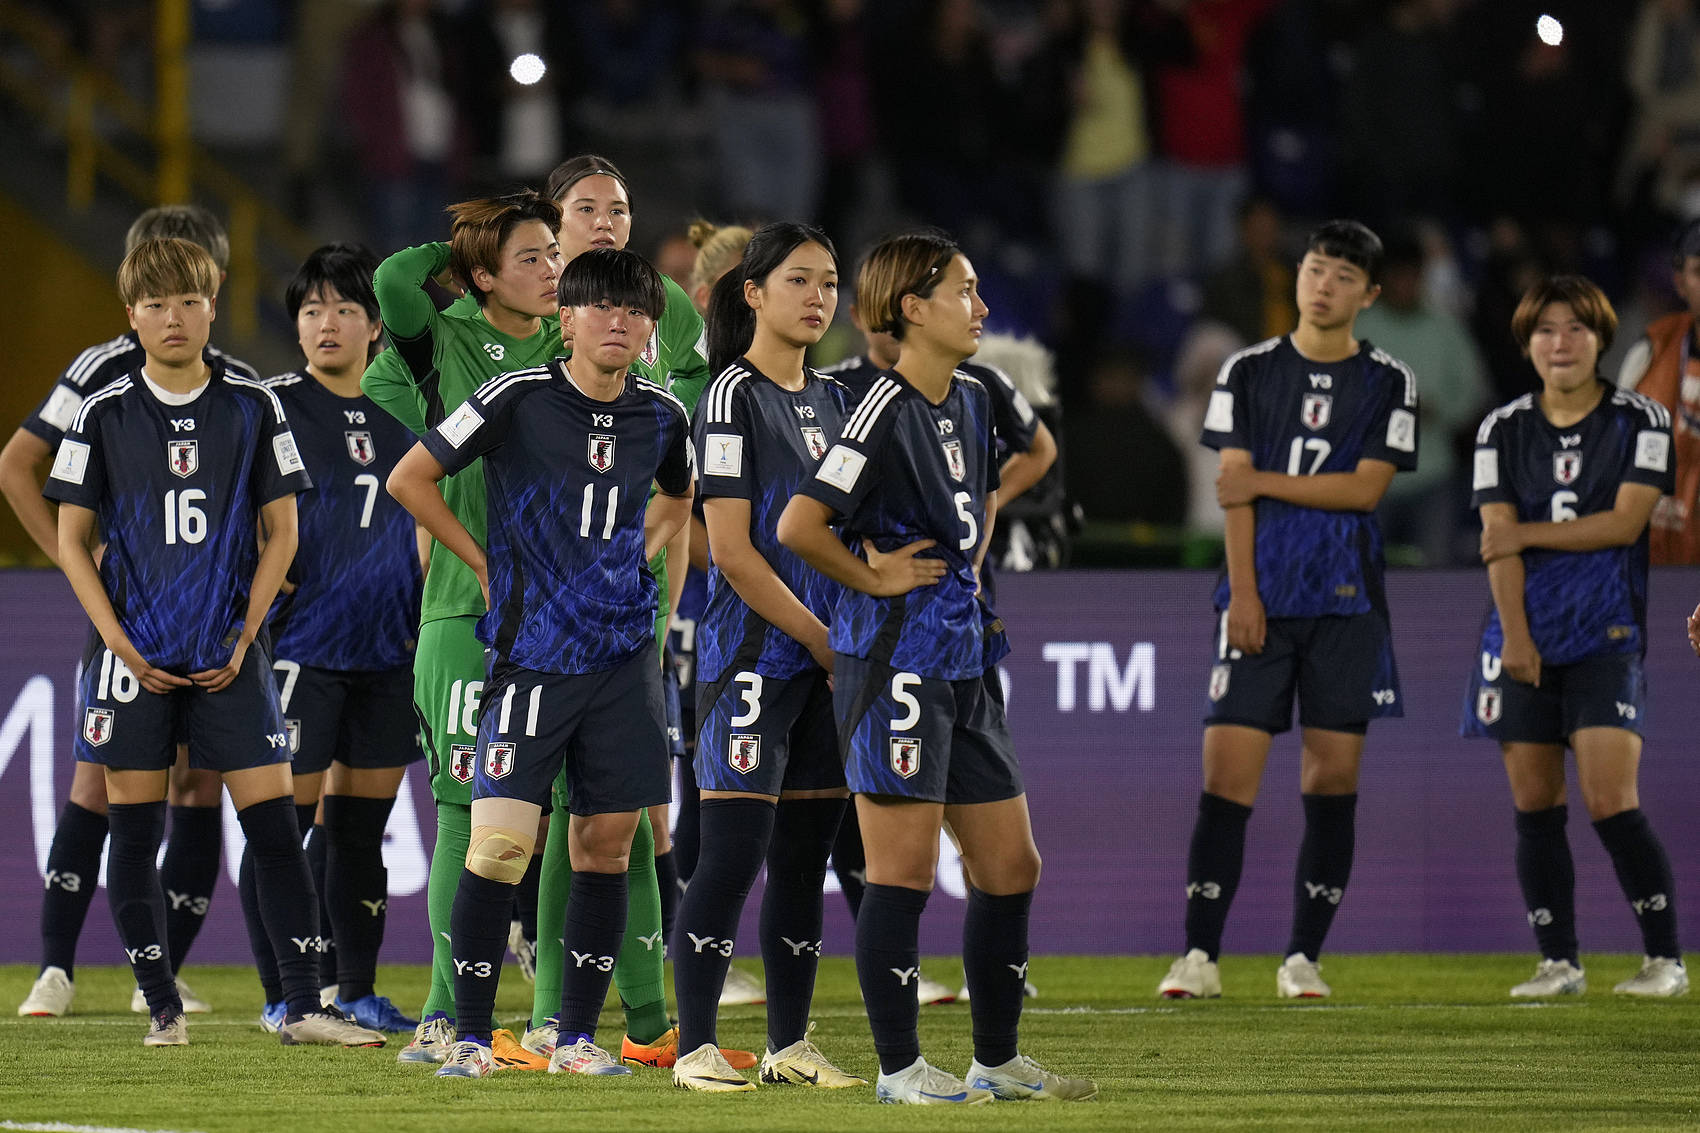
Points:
[(344, 632), (190, 869), (570, 451), (1565, 481), (912, 476), (174, 467), (1311, 427), (767, 766), (1026, 451)]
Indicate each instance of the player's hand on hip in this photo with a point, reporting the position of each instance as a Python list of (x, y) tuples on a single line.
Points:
[(1521, 660), (1694, 631), (1501, 541), (901, 570), (1247, 625), (219, 679)]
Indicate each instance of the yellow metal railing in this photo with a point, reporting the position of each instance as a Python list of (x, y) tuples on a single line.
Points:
[(81, 106)]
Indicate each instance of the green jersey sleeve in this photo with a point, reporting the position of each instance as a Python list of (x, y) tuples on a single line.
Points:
[(684, 347)]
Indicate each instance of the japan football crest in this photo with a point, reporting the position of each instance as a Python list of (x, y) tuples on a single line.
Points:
[(601, 451), (293, 728), (743, 753), (1218, 681), (1489, 704), (184, 457), (652, 349), (97, 726), (1566, 466), (905, 756), (498, 760), (360, 447), (815, 438), (953, 458), (1316, 410), (461, 762)]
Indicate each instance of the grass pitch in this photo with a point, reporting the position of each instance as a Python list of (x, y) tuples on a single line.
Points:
[(1407, 1042)]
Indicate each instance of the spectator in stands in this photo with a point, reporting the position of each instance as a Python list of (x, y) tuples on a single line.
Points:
[(1664, 367), (1664, 77), (1252, 293), (1398, 162), (519, 102), (755, 58), (1429, 507), (1203, 133), (400, 89), (1119, 442), (1106, 187)]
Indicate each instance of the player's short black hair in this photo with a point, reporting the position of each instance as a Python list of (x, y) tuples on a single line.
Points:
[(1351, 241), (575, 169), (612, 275), (345, 269), (731, 321)]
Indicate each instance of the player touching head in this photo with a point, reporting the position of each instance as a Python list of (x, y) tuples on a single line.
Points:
[(913, 470)]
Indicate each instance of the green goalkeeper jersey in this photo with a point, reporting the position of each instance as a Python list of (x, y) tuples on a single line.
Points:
[(439, 357)]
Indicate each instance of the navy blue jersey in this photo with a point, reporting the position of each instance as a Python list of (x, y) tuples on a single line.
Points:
[(904, 469), (177, 490), (357, 578), (1013, 415), (567, 480), (1302, 418), (1579, 603), (760, 442), (95, 369)]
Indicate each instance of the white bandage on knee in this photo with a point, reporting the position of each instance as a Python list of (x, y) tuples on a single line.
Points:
[(499, 853)]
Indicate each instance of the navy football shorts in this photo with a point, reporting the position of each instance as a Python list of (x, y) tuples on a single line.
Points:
[(918, 737), (607, 729), (1607, 691), (1341, 668), (127, 728), (359, 719), (767, 735)]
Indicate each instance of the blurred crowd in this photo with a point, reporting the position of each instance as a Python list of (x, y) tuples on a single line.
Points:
[(1133, 178)]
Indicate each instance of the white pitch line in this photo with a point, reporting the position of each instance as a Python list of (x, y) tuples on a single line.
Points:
[(120, 1022), (66, 1127)]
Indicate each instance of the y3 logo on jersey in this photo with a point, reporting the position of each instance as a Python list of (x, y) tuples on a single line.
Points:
[(183, 457)]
